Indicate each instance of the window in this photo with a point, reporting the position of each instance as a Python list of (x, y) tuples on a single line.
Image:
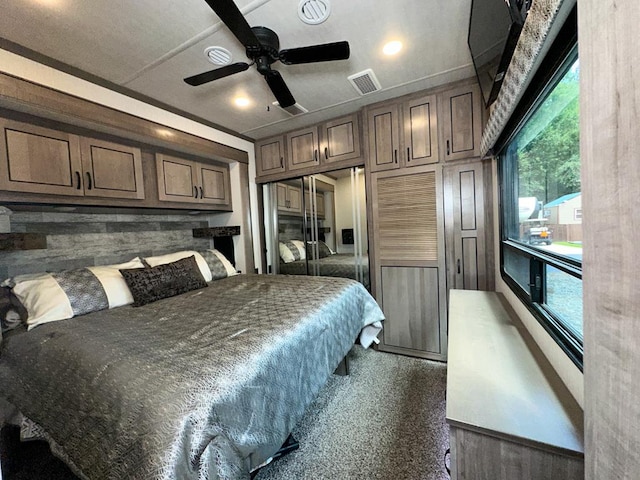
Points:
[(541, 248)]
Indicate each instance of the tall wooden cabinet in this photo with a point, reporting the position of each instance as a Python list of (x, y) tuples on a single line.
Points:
[(409, 262)]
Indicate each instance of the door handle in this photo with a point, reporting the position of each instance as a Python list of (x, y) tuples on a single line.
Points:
[(195, 192), (395, 155), (448, 151), (79, 178), (408, 154), (281, 162), (89, 184), (201, 192), (458, 266), (315, 155), (326, 153)]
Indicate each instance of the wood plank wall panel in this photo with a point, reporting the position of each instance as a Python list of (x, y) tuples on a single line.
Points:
[(407, 217), (77, 240), (609, 149)]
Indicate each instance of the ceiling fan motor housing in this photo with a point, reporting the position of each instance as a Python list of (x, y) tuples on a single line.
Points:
[(267, 52)]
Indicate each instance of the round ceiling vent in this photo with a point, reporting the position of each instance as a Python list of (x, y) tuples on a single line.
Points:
[(314, 12), (218, 55)]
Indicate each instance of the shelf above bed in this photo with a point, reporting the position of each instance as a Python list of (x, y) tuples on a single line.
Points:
[(22, 241), (216, 232)]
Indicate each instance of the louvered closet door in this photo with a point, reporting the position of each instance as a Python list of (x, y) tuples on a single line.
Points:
[(409, 260)]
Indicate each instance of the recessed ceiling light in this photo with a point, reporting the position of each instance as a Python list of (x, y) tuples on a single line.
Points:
[(218, 55), (242, 102), (391, 48)]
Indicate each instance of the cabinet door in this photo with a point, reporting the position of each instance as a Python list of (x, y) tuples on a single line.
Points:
[(409, 261), (177, 179), (283, 201), (341, 139), (294, 195), (461, 116), (411, 305), (420, 131), (384, 138), (464, 223), (111, 170), (270, 156), (302, 148), (39, 160), (319, 204), (214, 184)]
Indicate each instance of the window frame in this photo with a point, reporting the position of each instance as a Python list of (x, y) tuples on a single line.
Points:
[(558, 60)]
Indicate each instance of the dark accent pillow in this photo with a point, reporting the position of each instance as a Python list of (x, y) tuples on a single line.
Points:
[(150, 284), (323, 249), (12, 312)]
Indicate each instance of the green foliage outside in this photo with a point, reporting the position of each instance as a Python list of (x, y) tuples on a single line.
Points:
[(549, 144)]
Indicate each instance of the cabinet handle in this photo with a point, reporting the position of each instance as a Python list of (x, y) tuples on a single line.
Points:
[(458, 266), (281, 162), (395, 155), (89, 183), (408, 154), (315, 155), (195, 192), (201, 195), (448, 151), (79, 178), (326, 153)]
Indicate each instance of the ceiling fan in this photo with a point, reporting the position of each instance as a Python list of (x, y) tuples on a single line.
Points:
[(263, 48)]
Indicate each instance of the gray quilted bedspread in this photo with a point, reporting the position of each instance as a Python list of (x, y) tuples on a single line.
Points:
[(338, 265), (204, 385)]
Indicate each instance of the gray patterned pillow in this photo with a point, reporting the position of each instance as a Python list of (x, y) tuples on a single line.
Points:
[(323, 249), (167, 280)]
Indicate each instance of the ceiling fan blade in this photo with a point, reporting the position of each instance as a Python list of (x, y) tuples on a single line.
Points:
[(233, 18), (279, 88), (216, 74), (315, 53)]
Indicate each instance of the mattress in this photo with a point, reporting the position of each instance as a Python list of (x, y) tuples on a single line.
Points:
[(204, 385)]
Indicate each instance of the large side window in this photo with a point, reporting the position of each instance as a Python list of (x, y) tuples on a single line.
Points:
[(541, 248)]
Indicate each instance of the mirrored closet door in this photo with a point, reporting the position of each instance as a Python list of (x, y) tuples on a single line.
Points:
[(316, 225)]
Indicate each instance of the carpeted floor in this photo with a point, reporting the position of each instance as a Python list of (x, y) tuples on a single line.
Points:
[(386, 420)]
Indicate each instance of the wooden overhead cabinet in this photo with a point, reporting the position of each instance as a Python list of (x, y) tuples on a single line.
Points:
[(341, 139), (41, 160), (403, 135), (302, 148), (461, 117), (270, 156), (188, 181), (289, 198)]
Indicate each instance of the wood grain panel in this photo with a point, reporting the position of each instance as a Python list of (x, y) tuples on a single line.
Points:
[(410, 304), (470, 263), (482, 457), (111, 170), (384, 138), (215, 184), (420, 131), (270, 156), (341, 139), (302, 148), (468, 210), (462, 138), (407, 217), (177, 179), (461, 113), (39, 160)]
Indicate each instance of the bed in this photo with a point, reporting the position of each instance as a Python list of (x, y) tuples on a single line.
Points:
[(295, 255), (207, 384)]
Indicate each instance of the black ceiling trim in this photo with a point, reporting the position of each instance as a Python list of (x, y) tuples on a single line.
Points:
[(76, 72)]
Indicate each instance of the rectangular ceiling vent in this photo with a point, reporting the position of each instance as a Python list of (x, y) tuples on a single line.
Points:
[(295, 109), (365, 82)]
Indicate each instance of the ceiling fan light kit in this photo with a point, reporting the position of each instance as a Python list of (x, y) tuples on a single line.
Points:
[(262, 46)]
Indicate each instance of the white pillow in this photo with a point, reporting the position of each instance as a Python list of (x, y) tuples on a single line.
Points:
[(301, 249), (49, 297), (227, 264), (285, 254)]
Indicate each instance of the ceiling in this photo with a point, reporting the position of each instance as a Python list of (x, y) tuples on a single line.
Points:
[(149, 46)]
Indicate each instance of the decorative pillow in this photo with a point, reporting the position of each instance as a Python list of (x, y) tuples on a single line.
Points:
[(299, 244), (49, 297), (323, 249), (167, 280), (219, 266), (12, 312), (289, 251)]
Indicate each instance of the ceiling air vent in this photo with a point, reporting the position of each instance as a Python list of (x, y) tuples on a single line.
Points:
[(295, 109), (218, 55), (365, 82), (313, 12)]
